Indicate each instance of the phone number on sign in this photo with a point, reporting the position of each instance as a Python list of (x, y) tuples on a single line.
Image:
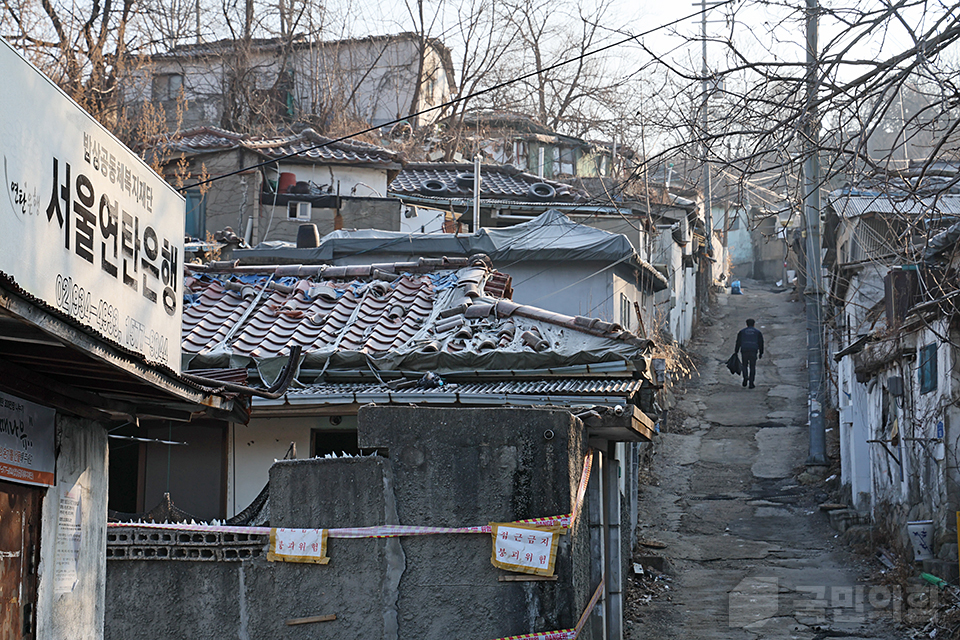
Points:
[(79, 303)]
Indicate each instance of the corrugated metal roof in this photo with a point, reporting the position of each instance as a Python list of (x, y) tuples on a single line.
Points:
[(563, 391), (851, 204), (53, 357)]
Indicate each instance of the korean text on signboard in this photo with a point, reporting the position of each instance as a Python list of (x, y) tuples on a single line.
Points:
[(298, 545), (89, 228), (27, 446), (525, 549)]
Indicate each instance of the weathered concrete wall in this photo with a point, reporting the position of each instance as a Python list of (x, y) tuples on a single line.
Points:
[(464, 467), (446, 467), (769, 251), (252, 449), (377, 75), (81, 463)]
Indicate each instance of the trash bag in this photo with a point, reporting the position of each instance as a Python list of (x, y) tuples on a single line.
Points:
[(734, 364), (735, 288)]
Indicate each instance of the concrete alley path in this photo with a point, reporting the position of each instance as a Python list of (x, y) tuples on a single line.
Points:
[(748, 553)]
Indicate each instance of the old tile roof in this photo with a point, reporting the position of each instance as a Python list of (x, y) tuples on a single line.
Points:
[(431, 315), (297, 41), (308, 146), (496, 181)]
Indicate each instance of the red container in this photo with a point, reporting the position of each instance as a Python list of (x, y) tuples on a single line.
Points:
[(287, 180)]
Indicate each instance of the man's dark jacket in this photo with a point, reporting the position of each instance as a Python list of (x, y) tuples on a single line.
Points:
[(749, 339)]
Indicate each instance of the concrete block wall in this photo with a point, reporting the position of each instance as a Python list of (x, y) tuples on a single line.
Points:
[(446, 467)]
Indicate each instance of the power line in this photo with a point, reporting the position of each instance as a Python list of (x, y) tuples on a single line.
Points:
[(449, 103)]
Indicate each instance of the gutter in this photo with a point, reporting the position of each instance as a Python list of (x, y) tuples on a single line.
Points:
[(437, 397)]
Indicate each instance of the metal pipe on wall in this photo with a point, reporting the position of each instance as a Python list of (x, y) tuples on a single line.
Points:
[(612, 539), (597, 543)]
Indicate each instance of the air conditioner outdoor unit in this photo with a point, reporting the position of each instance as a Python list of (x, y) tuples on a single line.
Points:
[(299, 211)]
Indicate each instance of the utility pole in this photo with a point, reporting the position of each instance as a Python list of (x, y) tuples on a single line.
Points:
[(811, 212), (704, 146)]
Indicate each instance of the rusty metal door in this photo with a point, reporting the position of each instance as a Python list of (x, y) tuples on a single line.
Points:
[(19, 559)]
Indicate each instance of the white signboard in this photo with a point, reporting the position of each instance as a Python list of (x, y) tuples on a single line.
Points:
[(27, 442), (69, 538), (298, 545), (88, 227), (525, 548)]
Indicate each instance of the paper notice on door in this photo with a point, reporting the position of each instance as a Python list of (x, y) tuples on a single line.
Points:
[(69, 536)]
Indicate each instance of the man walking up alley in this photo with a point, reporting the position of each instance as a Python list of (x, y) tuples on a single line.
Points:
[(750, 346), (746, 552)]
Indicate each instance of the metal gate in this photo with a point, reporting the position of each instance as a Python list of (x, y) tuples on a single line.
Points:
[(19, 559)]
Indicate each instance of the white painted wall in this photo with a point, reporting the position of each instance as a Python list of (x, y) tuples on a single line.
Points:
[(739, 238), (423, 220), (675, 306), (854, 433), (81, 462), (353, 181), (254, 447)]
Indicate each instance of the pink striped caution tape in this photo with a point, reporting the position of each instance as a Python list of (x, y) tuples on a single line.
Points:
[(384, 531)]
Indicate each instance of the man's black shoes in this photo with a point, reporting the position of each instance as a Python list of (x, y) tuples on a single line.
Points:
[(744, 383)]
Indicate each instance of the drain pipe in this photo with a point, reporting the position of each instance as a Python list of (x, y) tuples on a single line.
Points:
[(597, 544), (612, 539)]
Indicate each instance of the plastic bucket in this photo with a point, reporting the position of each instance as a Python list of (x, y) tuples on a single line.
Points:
[(921, 537), (287, 180)]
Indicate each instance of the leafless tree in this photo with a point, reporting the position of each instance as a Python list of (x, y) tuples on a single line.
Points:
[(82, 47), (886, 92), (586, 96)]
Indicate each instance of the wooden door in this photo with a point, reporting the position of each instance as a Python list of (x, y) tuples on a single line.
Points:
[(19, 559)]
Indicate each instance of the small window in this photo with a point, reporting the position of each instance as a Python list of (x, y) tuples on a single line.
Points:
[(298, 211), (625, 308), (195, 223), (734, 222), (928, 368), (167, 86)]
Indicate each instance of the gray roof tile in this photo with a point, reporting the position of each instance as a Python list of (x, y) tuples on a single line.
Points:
[(495, 182), (306, 146), (403, 320)]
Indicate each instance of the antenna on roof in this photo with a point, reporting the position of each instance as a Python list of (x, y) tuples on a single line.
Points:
[(476, 193)]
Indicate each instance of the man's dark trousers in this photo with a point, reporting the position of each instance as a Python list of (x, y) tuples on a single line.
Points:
[(749, 367)]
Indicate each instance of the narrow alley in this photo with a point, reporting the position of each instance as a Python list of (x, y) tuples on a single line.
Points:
[(747, 553)]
